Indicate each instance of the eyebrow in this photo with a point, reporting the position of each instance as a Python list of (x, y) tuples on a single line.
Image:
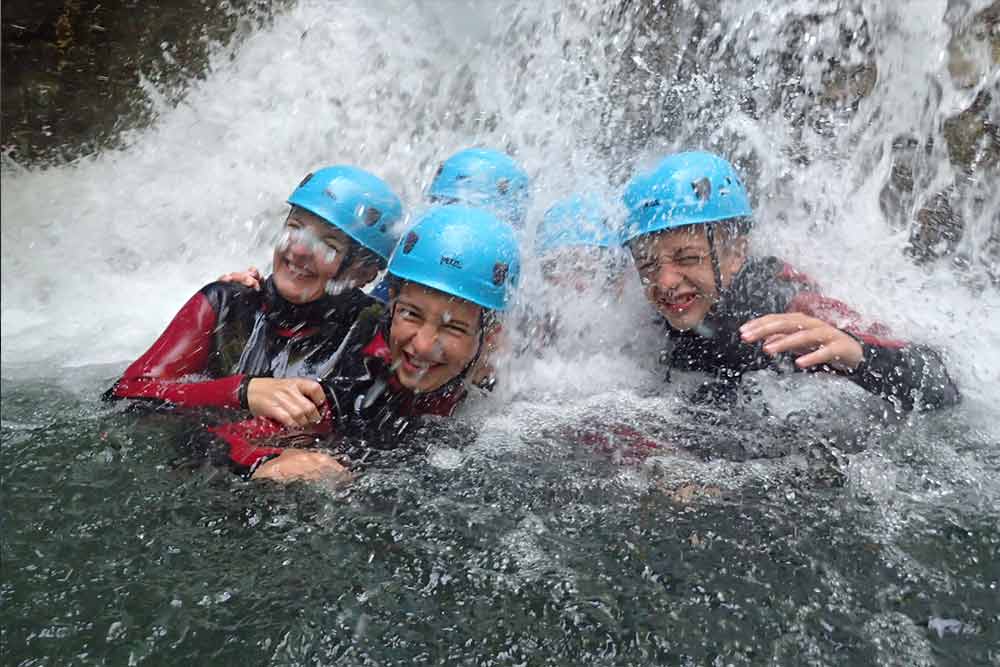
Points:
[(410, 306), (687, 248)]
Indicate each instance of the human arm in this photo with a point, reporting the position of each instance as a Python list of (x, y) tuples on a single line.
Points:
[(820, 331), (252, 451), (182, 350)]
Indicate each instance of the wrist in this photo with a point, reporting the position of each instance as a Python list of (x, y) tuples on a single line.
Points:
[(258, 463), (244, 391)]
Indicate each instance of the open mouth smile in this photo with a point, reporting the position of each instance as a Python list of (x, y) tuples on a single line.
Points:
[(298, 271), (414, 365), (680, 303)]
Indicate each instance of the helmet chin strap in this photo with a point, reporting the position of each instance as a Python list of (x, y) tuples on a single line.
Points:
[(346, 262), (714, 254)]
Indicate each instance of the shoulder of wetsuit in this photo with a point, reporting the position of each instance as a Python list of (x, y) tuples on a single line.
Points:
[(764, 285), (356, 301), (343, 310), (225, 294)]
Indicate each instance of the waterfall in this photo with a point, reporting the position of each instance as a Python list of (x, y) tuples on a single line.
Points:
[(842, 115)]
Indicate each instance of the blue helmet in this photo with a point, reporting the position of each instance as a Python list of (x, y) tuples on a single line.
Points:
[(576, 221), (684, 189), (483, 178), (358, 203), (462, 251)]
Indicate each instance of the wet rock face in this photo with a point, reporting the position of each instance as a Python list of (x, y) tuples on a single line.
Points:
[(688, 67), (974, 48), (72, 68)]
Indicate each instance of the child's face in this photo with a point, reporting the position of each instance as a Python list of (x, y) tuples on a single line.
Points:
[(675, 267), (308, 255), (434, 336), (582, 269)]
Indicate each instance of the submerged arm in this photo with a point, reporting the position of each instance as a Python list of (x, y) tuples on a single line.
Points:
[(253, 448)]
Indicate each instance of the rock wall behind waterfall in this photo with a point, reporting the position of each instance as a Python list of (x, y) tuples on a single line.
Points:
[(907, 94)]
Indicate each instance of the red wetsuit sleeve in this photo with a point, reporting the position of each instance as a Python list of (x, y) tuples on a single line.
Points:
[(252, 440), (242, 438), (181, 350)]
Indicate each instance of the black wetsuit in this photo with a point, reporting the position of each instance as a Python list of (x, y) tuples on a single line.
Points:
[(367, 410), (228, 334), (912, 376)]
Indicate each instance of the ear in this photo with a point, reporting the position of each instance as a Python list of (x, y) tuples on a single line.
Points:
[(735, 255), (740, 247), (493, 337)]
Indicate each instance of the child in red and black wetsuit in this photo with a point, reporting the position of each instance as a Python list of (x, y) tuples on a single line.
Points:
[(452, 274), (727, 313), (235, 347)]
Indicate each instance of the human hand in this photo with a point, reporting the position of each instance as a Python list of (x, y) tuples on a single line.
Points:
[(294, 402), (250, 278), (303, 464), (811, 340)]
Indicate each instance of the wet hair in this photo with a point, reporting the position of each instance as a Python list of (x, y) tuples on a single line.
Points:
[(732, 229), (365, 257)]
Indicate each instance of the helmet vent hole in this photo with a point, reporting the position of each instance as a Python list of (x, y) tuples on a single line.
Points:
[(306, 179), (409, 242), (703, 188), (372, 215), (500, 272), (503, 186)]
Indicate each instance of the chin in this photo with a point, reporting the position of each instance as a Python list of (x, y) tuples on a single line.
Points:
[(684, 321), (422, 385), (292, 291)]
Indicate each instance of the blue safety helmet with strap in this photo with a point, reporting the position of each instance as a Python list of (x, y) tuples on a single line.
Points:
[(358, 203), (485, 178), (462, 251), (576, 221), (693, 188), (684, 189)]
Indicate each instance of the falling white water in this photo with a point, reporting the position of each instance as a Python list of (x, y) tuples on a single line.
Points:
[(98, 254)]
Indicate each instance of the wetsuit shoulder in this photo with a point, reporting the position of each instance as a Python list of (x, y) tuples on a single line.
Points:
[(224, 294), (767, 285), (183, 349)]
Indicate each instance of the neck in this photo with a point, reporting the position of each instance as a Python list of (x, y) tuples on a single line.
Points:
[(315, 312)]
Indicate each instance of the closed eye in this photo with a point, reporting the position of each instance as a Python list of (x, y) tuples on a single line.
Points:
[(407, 313)]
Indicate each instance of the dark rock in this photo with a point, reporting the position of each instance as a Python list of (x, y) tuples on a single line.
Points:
[(973, 137), (938, 228), (71, 68)]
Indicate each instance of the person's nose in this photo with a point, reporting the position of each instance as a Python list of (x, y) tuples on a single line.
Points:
[(425, 342), (300, 246), (668, 277)]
